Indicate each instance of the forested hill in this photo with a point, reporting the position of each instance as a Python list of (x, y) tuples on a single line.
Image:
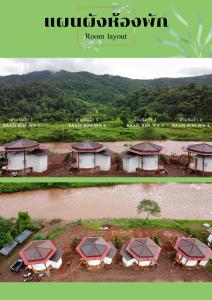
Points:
[(63, 96)]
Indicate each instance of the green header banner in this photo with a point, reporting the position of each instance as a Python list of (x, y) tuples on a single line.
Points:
[(105, 291), (147, 28)]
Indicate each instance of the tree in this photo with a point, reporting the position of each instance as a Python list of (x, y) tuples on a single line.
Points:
[(24, 221), (150, 207)]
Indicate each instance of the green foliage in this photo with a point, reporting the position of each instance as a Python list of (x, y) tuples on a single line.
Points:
[(148, 133), (67, 157), (10, 228), (55, 221), (74, 242), (164, 158), (24, 221), (118, 161), (209, 266), (39, 236), (67, 97), (57, 232), (19, 187), (78, 222), (150, 207), (156, 240), (117, 242)]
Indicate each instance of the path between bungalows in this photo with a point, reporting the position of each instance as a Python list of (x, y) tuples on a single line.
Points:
[(177, 201)]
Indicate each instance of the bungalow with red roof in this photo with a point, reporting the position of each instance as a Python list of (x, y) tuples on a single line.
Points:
[(143, 156), (91, 156), (41, 255), (191, 252), (23, 155), (95, 251), (141, 251), (202, 157)]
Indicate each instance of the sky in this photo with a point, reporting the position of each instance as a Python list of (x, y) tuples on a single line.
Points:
[(136, 68)]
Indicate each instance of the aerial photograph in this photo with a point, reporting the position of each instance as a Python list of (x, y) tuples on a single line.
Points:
[(105, 232), (92, 117)]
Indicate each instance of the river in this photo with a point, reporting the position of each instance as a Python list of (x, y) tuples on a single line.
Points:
[(177, 200), (169, 146)]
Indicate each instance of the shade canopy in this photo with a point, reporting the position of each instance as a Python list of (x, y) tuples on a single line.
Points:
[(21, 145), (192, 248), (93, 248), (202, 148), (143, 249), (146, 148), (38, 252)]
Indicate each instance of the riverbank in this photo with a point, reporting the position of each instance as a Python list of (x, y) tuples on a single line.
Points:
[(107, 132), (21, 187)]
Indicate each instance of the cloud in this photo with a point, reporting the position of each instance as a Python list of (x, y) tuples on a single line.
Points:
[(140, 68)]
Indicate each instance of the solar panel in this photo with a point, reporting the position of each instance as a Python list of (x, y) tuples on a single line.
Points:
[(23, 236), (8, 248)]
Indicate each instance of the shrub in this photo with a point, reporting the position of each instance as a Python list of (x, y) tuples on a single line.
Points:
[(78, 222), (67, 157), (39, 236), (55, 221), (24, 221), (164, 158), (118, 161), (156, 240), (117, 242), (74, 242)]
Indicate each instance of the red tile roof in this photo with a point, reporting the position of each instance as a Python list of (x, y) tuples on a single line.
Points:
[(38, 252), (143, 249), (22, 144), (192, 248), (200, 148), (93, 248), (145, 148), (88, 147)]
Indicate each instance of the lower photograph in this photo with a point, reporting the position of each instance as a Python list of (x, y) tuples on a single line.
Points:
[(105, 232)]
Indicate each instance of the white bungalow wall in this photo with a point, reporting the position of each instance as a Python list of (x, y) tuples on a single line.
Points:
[(16, 161), (103, 161), (150, 162), (86, 160), (144, 263), (192, 263), (107, 260), (207, 163), (210, 238), (38, 267), (128, 263), (39, 163), (53, 264), (91, 160), (93, 263)]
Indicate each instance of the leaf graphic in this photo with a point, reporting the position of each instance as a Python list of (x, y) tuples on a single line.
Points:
[(209, 37), (180, 18), (177, 36), (199, 34), (170, 43)]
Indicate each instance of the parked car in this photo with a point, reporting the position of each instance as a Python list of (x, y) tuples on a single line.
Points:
[(17, 266)]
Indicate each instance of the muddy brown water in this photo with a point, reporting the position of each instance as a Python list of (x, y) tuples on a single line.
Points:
[(177, 200), (169, 146)]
